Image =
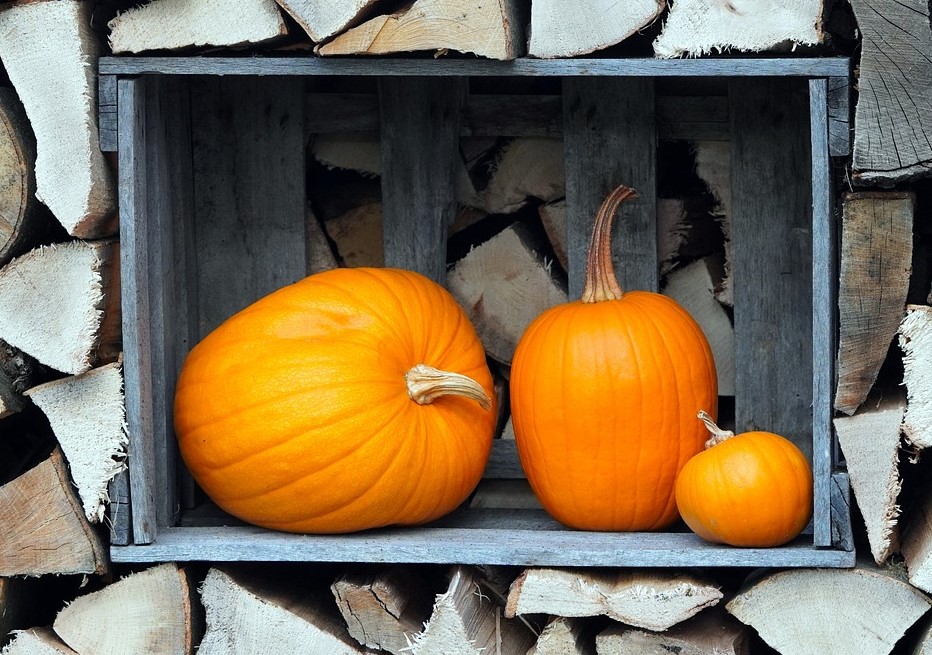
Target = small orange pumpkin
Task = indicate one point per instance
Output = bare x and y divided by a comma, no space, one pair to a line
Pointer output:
353,399
753,489
604,393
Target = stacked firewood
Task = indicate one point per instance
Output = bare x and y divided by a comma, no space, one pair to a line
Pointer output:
61,407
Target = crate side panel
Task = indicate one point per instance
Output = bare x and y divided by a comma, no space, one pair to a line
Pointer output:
249,191
420,126
610,138
772,268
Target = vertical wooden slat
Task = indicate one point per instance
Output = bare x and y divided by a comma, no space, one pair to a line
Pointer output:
107,112
772,265
610,138
824,279
420,126
136,275
249,191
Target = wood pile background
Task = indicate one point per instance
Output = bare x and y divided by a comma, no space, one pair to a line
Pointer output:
61,408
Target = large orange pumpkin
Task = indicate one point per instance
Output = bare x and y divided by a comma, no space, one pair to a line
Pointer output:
353,399
753,489
604,394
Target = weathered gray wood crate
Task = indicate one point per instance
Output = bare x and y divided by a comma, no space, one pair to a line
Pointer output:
212,214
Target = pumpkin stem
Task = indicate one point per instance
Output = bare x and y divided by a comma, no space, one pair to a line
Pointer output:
426,384
601,283
718,435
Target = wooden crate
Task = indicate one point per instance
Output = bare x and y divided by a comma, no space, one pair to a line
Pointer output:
193,252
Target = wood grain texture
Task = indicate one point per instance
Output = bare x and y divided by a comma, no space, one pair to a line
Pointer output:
609,139
876,262
509,541
840,498
46,530
107,112
892,121
772,268
563,29
728,67
420,120
839,110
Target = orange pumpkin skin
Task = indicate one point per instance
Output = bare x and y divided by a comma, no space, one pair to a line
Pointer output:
604,394
294,414
753,490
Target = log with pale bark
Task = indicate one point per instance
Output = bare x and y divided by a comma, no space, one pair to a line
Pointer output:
876,261
16,374
693,287
175,24
321,19
86,413
383,610
531,167
493,29
565,636
699,27
863,610
465,620
152,611
708,633
50,55
22,219
37,641
892,121
870,441
566,29
251,614
553,218
916,539
915,339
504,284
45,530
64,304
644,599
713,166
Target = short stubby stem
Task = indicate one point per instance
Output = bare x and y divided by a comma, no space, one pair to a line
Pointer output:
718,435
426,384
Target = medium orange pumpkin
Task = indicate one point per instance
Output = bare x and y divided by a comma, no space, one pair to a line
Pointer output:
753,489
342,402
604,393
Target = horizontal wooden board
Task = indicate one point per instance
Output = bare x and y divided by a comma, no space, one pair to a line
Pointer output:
494,537
377,66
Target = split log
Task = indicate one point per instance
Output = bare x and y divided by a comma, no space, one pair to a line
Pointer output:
319,253
22,220
699,27
383,610
917,541
465,621
358,235
892,120
248,615
492,29
651,600
708,633
16,373
37,641
175,24
553,218
65,311
354,152
924,641
529,167
694,289
916,343
713,166
321,19
870,441
503,285
876,261
813,611
87,415
44,526
146,612
565,636
50,54
564,29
